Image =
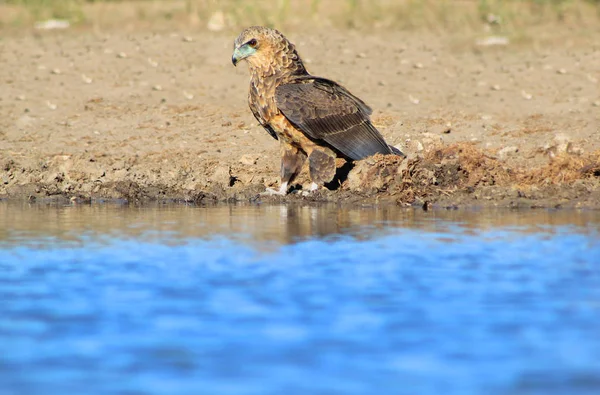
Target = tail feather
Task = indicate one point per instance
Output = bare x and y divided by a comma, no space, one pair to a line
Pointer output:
396,151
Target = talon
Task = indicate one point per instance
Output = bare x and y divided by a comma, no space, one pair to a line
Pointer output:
282,191
272,192
313,188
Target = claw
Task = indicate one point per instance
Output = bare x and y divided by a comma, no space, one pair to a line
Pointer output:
313,188
282,191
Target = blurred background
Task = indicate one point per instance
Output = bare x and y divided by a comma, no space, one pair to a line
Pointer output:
456,16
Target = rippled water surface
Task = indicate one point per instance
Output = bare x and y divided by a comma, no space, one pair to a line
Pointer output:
107,299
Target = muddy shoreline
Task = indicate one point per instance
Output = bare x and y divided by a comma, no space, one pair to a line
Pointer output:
143,116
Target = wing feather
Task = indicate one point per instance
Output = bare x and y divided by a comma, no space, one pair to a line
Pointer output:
324,110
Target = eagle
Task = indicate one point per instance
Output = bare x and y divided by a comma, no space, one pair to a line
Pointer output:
313,118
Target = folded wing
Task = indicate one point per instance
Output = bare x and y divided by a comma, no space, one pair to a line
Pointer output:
324,110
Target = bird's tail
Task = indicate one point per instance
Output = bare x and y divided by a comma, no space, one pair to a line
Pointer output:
396,151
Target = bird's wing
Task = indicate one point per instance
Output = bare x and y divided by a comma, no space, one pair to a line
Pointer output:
324,110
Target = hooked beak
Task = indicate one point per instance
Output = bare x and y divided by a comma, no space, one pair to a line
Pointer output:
236,57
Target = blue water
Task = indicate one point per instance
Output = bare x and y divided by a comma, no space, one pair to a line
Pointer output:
462,310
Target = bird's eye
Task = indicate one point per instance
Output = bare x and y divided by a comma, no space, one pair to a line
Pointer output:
252,43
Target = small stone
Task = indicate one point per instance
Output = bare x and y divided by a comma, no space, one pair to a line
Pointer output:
440,129
596,103
86,79
51,105
413,100
430,140
56,71
561,71
496,87
361,55
248,159
152,62
121,55
492,41
187,39
562,142
21,97
157,88
418,65
222,176
526,96
507,151
188,95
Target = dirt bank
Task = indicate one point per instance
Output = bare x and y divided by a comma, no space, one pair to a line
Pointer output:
142,116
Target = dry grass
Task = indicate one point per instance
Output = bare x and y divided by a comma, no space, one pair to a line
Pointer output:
563,169
462,167
494,16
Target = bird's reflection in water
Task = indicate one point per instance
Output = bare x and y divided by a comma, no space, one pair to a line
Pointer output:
281,224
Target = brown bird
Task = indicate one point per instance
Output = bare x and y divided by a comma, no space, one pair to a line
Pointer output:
312,117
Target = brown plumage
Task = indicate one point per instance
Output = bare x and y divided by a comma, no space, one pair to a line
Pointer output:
312,117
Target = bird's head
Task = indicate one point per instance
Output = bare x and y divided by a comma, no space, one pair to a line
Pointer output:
254,41
264,47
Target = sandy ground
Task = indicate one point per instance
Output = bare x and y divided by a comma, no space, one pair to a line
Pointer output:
141,116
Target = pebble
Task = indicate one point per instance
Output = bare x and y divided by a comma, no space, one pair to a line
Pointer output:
51,105
496,87
441,129
121,55
152,62
526,96
507,151
188,95
492,41
21,97
187,39
413,100
596,103
222,176
561,71
430,140
56,71
157,88
418,65
248,159
562,142
86,79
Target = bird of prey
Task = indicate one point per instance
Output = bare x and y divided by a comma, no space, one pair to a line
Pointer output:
312,117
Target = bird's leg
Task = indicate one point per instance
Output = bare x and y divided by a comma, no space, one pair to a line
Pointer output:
292,160
322,167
